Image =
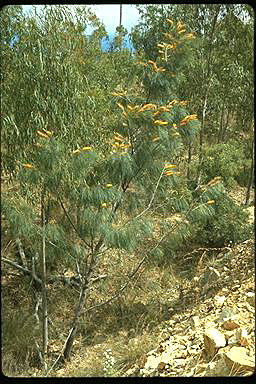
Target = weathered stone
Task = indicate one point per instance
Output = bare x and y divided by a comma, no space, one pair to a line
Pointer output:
217,368
213,340
242,337
237,358
232,340
161,366
195,321
152,362
229,325
228,313
250,298
219,300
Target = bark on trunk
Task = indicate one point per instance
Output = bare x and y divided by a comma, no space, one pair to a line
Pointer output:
221,123
189,159
250,177
44,289
72,334
207,87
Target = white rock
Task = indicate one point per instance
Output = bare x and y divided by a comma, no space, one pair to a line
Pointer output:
195,321
213,340
219,300
237,358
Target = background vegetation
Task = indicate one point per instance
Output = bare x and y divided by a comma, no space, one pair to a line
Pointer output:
113,163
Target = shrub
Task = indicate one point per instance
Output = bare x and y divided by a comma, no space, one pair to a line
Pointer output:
226,160
228,224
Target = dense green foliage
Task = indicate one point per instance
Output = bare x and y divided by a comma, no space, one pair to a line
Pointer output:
229,224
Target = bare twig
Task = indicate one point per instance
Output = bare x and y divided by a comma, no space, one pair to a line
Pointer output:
22,253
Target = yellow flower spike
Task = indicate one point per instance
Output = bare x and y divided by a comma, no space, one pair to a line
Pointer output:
160,122
117,138
49,133
173,102
182,31
141,63
156,139
109,185
124,145
86,148
217,178
156,113
104,205
211,202
118,134
28,166
76,151
161,45
177,173
164,109
115,94
169,173
183,103
180,25
43,135
120,106
129,107
151,62
170,21
167,166
190,36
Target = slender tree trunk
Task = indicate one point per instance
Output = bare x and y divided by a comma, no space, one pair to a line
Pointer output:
72,334
225,126
44,287
250,177
120,25
207,78
221,122
121,14
189,159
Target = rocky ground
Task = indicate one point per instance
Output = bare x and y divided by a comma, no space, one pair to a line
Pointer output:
212,330
214,335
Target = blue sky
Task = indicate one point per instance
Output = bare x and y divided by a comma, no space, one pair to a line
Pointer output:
109,15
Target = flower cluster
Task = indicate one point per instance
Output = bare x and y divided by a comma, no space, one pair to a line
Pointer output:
108,363
170,170
121,142
188,118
